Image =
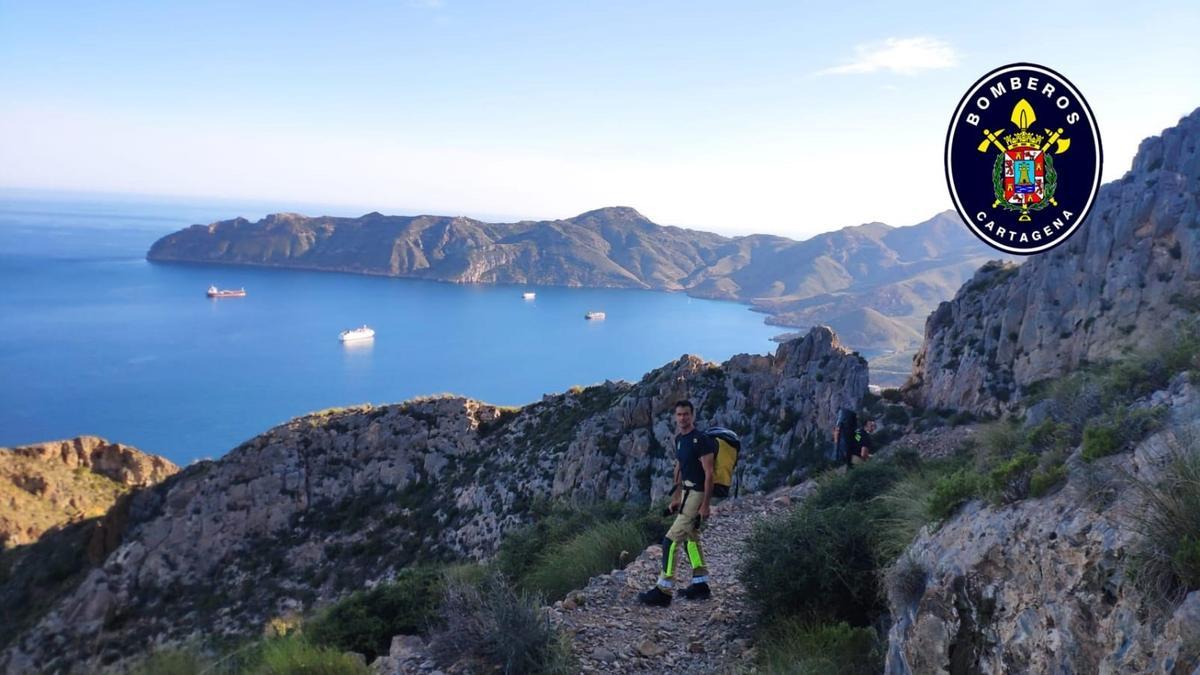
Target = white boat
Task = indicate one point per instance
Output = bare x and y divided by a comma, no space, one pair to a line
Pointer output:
354,334
528,295
594,316
214,292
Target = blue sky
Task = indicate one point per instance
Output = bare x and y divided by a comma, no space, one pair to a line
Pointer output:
733,117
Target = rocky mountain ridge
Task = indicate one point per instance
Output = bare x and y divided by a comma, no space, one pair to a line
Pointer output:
1130,270
49,485
873,283
326,503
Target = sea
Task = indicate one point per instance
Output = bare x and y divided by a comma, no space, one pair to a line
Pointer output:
94,339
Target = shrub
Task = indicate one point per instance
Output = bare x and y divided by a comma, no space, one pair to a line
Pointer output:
553,524
501,628
366,621
860,484
1166,559
296,656
905,581
1010,480
815,562
797,646
952,490
171,662
1119,429
891,395
1044,480
597,550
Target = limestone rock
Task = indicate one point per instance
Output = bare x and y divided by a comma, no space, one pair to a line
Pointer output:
1131,269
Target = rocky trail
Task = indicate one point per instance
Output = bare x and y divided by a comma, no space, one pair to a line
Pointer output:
611,632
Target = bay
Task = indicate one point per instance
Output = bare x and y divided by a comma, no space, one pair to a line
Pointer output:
96,340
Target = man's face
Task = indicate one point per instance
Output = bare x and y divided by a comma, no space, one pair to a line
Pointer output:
683,418
870,427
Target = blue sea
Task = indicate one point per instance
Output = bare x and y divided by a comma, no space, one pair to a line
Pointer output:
96,340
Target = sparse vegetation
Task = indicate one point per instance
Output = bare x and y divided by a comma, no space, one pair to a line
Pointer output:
365,621
500,628
797,646
1166,559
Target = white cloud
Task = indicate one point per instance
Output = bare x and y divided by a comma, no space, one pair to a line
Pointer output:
905,56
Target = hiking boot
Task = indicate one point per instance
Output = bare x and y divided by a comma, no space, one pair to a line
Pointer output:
655,597
698,591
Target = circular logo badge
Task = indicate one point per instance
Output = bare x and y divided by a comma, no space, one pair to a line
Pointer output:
1023,158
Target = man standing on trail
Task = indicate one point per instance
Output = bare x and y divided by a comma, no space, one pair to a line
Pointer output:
694,455
843,436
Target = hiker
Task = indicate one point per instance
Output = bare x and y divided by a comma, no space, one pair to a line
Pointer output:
694,461
863,443
843,435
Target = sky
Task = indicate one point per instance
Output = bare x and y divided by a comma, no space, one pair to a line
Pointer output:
781,117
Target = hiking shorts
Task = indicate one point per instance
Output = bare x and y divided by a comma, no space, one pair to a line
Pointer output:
687,522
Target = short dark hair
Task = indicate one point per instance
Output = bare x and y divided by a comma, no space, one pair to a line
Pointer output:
684,403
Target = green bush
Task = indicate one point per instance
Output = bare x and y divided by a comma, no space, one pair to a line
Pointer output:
1118,430
552,525
296,656
952,490
1044,480
597,550
797,646
366,621
499,628
171,662
1166,558
1010,480
860,484
815,562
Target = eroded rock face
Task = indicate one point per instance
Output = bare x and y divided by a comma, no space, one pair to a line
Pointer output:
1042,586
333,501
48,485
1132,269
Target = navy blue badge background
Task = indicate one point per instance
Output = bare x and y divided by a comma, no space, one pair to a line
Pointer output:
973,169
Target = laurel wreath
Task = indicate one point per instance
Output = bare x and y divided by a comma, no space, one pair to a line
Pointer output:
1050,184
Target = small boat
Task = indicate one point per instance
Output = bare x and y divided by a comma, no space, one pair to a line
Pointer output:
354,334
214,292
529,295
596,316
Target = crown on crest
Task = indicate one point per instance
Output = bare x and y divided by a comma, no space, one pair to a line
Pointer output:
1023,117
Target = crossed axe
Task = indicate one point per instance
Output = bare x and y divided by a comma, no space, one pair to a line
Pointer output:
1052,138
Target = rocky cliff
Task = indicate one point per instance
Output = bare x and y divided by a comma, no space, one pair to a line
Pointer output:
333,501
1130,271
874,284
49,485
1044,585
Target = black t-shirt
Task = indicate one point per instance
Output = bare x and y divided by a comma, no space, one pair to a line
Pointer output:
862,439
689,448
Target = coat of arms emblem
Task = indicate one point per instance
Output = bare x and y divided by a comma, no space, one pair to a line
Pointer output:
1023,176
1023,158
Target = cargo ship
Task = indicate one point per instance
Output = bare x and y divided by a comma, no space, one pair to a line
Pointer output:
214,292
529,295
355,334
594,316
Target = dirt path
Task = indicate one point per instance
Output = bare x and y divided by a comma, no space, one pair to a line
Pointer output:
612,632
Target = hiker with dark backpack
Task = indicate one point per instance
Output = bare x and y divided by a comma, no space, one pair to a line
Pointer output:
862,441
843,436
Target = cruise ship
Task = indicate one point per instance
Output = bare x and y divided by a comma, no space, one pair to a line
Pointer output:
214,292
529,295
354,334
594,316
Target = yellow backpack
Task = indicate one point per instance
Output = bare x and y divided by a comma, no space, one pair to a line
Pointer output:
728,447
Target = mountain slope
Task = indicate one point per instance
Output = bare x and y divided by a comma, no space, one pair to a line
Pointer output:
333,501
1132,270
49,485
